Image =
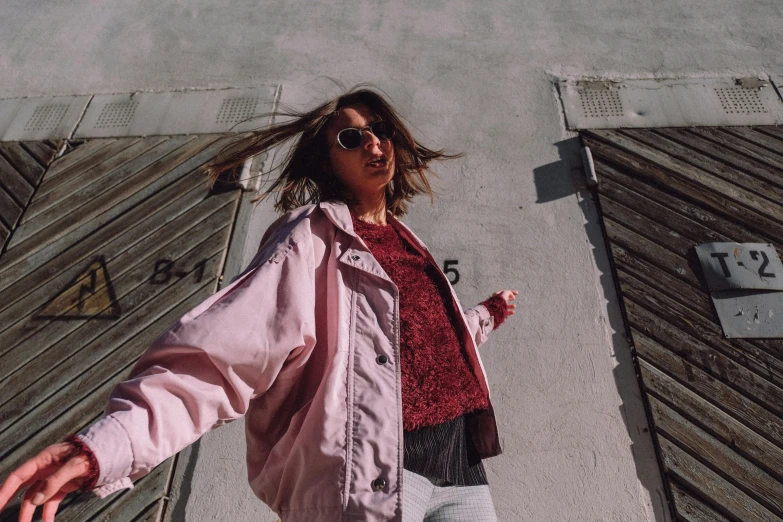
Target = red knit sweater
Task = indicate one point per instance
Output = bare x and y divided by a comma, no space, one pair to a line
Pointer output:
437,382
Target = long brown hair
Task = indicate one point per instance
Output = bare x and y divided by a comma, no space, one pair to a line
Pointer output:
306,175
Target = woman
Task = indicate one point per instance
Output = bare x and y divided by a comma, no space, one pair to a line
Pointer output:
342,344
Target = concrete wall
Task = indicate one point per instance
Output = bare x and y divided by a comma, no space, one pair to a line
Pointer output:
474,77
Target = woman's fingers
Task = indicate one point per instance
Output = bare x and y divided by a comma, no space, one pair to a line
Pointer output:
49,477
508,295
27,509
50,508
64,480
32,470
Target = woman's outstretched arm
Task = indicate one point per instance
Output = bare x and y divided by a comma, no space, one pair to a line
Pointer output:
201,373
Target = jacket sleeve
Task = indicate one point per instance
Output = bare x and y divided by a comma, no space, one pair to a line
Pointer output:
485,317
204,370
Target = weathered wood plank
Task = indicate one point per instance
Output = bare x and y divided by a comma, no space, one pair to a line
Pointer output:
774,132
762,487
660,234
40,375
32,253
688,321
76,185
689,187
99,161
700,354
650,251
136,243
60,420
14,183
22,161
672,287
683,225
154,513
41,151
730,431
95,198
690,509
739,152
748,412
712,486
4,233
767,138
743,189
686,206
77,158
9,209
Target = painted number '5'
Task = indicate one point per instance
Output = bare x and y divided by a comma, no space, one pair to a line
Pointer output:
447,269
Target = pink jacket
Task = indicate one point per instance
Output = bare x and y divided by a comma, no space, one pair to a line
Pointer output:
292,344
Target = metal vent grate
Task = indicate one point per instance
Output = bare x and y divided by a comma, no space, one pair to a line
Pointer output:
739,100
235,110
116,115
46,117
601,103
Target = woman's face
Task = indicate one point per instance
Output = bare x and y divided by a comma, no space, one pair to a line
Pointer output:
367,170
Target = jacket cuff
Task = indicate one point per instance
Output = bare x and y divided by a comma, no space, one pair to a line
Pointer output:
109,443
80,448
496,306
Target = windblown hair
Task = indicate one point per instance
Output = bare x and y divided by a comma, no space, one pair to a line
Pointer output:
306,175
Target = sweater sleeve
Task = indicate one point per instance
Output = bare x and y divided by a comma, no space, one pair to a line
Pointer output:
496,306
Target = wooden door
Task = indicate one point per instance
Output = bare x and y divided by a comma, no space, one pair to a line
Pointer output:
121,238
716,404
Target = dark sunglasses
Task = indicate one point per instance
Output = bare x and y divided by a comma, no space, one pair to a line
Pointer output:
351,138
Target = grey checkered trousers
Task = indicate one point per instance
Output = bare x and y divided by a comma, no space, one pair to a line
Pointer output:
425,501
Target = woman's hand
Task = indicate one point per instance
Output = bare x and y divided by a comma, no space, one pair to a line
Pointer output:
48,477
508,296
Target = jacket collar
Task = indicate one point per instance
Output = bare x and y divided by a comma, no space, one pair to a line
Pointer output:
338,213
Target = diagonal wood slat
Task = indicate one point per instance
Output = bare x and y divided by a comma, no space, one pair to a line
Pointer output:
21,168
72,185
690,509
716,404
77,160
727,463
687,188
42,151
22,161
708,483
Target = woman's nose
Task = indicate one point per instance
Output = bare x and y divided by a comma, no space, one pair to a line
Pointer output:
372,141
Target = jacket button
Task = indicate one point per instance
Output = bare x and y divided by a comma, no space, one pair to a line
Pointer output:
355,257
381,359
378,484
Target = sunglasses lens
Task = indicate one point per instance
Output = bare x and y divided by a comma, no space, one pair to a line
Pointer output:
382,130
350,138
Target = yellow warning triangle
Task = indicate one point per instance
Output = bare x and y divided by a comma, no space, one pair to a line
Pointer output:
89,296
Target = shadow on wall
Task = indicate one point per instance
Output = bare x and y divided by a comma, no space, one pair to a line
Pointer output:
564,178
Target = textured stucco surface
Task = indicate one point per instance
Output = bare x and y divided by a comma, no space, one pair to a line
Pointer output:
474,77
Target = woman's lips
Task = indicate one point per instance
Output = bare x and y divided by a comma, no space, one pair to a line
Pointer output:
377,162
